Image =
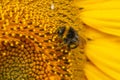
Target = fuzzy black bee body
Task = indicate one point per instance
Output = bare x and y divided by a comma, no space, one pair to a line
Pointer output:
69,37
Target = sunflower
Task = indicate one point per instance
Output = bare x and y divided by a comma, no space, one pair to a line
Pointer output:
59,40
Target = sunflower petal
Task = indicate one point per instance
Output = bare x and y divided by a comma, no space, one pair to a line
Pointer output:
99,4
104,53
102,16
107,21
94,34
93,73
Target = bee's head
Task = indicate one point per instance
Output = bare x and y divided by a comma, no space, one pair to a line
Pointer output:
61,31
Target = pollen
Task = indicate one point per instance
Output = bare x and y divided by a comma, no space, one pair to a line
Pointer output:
29,45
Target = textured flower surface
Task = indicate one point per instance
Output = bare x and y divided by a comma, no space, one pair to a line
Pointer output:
30,47
102,21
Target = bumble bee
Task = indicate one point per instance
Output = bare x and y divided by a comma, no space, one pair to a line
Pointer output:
69,36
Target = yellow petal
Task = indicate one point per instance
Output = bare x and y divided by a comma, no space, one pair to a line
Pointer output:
93,34
101,15
93,73
104,53
97,4
100,21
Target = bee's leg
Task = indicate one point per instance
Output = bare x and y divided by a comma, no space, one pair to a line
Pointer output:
73,45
